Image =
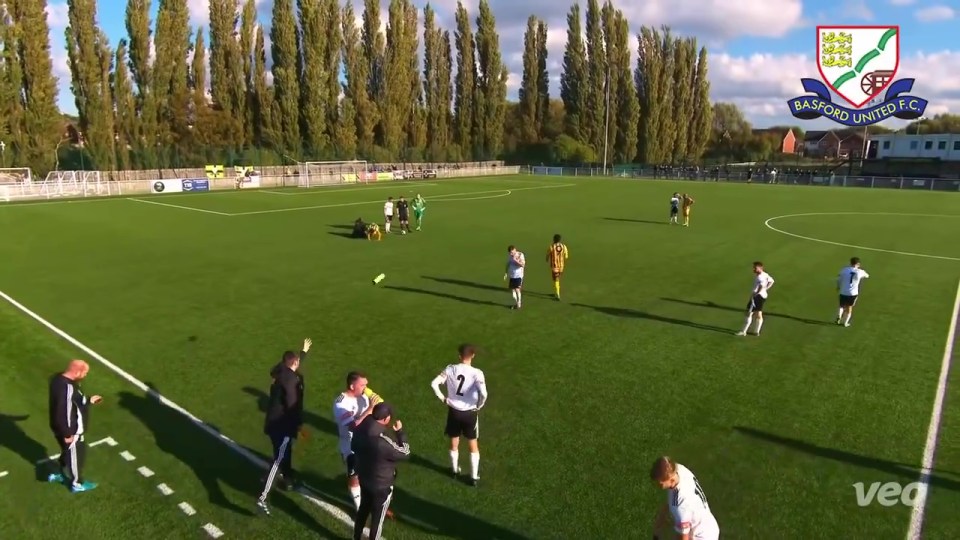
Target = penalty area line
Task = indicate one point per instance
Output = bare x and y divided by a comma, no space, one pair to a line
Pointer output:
232,445
930,448
179,207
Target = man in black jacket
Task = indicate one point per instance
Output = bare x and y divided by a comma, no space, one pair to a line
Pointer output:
69,418
377,455
284,419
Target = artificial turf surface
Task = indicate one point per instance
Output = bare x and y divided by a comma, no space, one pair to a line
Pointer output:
637,360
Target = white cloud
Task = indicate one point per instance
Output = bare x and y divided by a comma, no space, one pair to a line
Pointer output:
199,12
857,9
935,14
57,18
902,2
762,83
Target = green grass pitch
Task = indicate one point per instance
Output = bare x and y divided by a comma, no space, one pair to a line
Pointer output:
198,294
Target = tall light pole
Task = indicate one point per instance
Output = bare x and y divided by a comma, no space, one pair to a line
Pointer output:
606,124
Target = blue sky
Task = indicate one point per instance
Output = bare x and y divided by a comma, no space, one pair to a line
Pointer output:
759,48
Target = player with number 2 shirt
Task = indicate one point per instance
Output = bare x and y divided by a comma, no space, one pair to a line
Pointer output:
466,395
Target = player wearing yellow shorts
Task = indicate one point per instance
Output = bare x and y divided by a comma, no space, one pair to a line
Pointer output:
686,203
557,255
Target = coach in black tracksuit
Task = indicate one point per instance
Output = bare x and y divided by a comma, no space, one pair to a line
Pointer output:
69,418
284,419
377,455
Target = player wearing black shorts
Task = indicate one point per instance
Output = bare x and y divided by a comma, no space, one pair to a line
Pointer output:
516,262
403,211
674,208
758,297
466,394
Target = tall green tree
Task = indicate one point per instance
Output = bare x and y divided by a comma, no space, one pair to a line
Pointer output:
358,112
530,89
198,91
573,80
436,85
227,85
333,64
625,108
11,83
653,80
682,96
373,54
264,122
248,31
125,107
314,100
138,31
543,79
171,71
285,50
401,77
491,84
90,61
465,87
700,127
593,119
36,132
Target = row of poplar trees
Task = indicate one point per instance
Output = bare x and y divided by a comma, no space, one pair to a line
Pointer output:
169,95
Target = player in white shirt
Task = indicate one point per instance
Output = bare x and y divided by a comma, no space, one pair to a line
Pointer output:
466,395
762,283
388,214
674,208
848,285
350,408
686,506
514,272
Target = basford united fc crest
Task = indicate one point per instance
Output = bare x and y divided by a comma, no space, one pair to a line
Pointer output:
859,64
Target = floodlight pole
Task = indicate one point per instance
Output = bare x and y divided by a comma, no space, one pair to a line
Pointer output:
606,125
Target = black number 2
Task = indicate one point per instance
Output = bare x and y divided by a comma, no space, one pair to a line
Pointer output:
460,378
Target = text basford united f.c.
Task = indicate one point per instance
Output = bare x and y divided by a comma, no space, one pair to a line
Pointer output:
858,63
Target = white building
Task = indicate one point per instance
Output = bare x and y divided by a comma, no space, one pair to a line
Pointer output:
944,146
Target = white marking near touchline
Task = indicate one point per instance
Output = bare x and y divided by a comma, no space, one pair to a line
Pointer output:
127,456
213,530
3,473
145,472
168,205
437,198
334,511
106,440
930,448
48,458
186,508
164,489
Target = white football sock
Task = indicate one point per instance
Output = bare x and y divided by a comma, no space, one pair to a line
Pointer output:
455,460
759,324
355,493
519,297
387,226
516,296
839,313
846,319
474,465
747,325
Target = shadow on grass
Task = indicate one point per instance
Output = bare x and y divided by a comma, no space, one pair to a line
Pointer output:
209,459
887,467
418,513
628,220
344,231
626,312
483,286
13,437
320,424
448,296
712,305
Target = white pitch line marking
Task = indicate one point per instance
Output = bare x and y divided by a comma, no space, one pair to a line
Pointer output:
186,508
3,473
127,456
930,448
334,511
313,190
437,198
214,212
924,255
213,530
164,489
106,440
48,458
145,472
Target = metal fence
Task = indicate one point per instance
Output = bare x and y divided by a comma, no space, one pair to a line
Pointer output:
802,179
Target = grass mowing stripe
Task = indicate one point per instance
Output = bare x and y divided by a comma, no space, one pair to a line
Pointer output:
929,450
230,443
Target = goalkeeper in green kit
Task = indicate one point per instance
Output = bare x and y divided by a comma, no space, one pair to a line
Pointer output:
419,205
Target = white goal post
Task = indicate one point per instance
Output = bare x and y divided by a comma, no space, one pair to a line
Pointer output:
327,173
15,183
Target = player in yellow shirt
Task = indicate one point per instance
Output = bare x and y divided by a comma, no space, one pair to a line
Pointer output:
686,202
557,255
